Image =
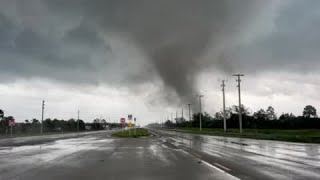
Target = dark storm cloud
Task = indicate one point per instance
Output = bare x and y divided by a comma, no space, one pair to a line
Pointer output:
127,43
84,35
293,45
173,34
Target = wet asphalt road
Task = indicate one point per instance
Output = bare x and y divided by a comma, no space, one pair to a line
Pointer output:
253,159
100,156
166,155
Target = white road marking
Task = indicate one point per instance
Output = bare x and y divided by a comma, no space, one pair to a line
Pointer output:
216,168
153,133
223,167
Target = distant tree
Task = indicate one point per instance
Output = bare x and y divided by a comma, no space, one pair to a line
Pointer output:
10,118
1,114
206,119
96,125
103,123
35,121
244,110
286,116
48,124
218,115
260,114
96,120
4,123
81,125
270,113
309,111
169,124
71,124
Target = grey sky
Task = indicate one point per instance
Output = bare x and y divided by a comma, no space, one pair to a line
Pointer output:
155,55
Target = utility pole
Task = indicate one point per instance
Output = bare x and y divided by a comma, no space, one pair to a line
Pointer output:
171,117
78,120
181,114
176,116
135,126
163,118
239,91
224,107
200,96
189,105
41,127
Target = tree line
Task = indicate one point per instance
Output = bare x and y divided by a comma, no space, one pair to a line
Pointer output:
52,125
261,119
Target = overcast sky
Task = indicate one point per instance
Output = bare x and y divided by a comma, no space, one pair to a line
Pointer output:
149,58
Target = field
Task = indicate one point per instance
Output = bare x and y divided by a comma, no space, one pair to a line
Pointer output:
295,135
140,132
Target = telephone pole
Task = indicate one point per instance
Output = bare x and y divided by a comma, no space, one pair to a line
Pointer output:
189,105
176,116
78,120
41,127
200,96
224,107
182,114
239,91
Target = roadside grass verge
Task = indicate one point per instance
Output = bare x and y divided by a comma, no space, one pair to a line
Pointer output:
140,132
291,135
29,134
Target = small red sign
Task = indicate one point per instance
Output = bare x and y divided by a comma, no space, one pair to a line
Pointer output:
123,120
12,123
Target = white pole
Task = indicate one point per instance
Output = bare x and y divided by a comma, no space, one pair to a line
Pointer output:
200,96
135,126
41,128
78,121
224,108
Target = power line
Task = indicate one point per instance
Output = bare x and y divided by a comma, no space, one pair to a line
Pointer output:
239,91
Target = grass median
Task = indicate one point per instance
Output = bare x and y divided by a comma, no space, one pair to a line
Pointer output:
291,135
131,133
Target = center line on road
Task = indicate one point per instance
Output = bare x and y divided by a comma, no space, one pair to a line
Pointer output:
223,167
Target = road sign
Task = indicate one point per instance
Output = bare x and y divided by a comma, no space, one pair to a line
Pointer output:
129,124
130,117
12,123
123,120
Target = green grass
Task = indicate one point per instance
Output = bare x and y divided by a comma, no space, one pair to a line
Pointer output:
292,135
27,134
130,133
